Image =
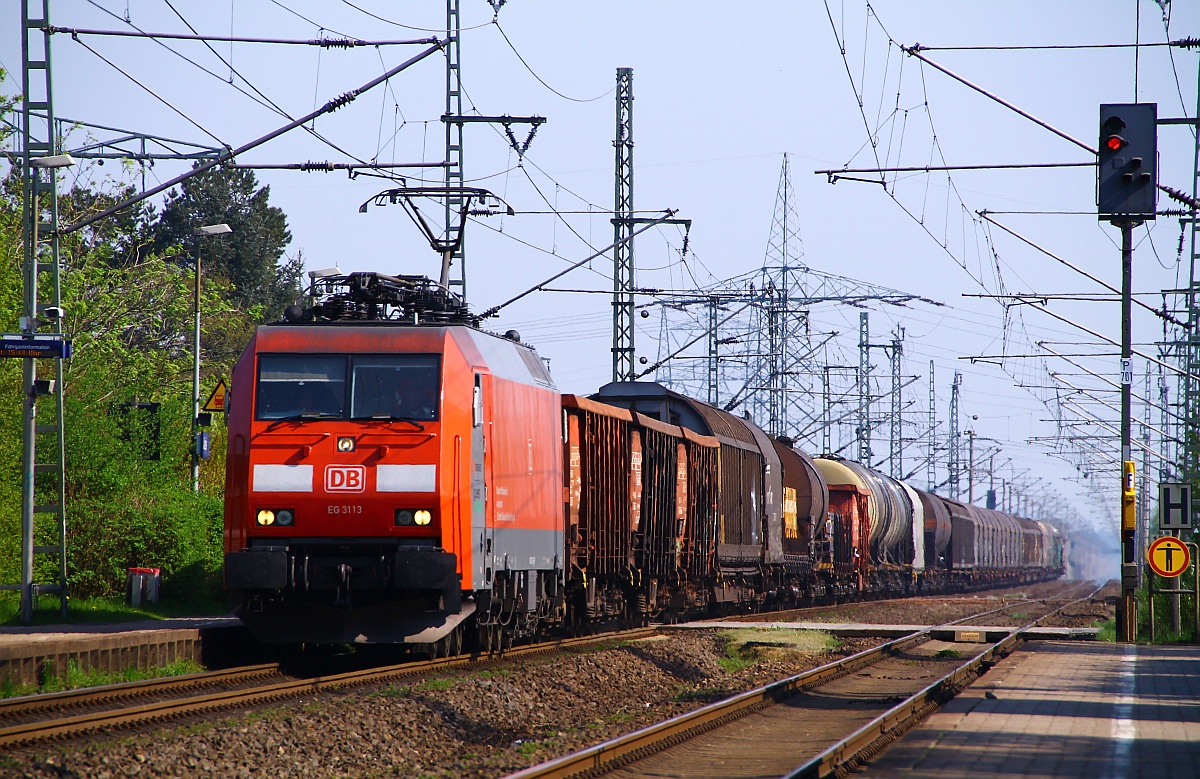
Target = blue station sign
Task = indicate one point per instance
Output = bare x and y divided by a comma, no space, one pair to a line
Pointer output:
21,345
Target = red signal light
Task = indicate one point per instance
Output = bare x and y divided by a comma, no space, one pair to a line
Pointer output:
1115,143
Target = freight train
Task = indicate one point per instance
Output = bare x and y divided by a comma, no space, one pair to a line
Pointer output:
397,474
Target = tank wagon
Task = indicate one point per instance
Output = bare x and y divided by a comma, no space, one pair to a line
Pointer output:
397,474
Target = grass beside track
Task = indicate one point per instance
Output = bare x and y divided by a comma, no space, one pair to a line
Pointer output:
746,646
98,611
73,677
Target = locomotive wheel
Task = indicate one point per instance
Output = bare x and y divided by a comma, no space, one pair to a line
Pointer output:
455,642
489,636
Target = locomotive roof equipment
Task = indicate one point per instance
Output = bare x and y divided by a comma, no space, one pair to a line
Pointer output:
377,297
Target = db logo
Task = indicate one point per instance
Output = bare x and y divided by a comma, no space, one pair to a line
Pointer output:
345,478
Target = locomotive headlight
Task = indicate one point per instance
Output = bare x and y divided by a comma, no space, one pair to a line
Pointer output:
422,517
345,443
275,517
404,517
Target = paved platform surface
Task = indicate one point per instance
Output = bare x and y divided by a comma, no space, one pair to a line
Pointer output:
10,635
1063,709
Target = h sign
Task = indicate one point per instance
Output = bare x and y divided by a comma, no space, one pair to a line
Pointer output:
1174,506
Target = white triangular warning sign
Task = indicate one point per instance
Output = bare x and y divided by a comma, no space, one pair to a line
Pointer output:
216,401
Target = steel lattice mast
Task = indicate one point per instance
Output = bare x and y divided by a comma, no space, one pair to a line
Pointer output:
766,360
455,258
953,459
42,314
623,277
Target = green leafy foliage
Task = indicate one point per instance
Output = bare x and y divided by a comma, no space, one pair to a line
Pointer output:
129,304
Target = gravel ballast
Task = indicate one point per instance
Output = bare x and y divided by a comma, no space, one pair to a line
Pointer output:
481,723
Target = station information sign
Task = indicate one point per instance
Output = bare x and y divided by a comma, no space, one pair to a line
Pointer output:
1168,556
46,345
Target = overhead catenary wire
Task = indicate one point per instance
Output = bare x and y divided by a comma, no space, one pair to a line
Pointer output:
229,154
1161,314
540,80
1014,323
394,23
1183,43
496,309
261,98
153,94
915,51
325,43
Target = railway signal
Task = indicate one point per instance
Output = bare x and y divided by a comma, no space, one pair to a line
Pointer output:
1126,165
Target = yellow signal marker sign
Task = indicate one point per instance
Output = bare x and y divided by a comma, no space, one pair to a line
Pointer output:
216,401
1168,556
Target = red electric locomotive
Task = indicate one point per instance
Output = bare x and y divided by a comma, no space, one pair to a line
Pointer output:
364,435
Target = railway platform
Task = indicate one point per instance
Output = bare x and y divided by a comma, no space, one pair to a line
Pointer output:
29,654
1062,709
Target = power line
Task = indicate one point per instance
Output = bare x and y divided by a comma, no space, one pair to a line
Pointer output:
325,43
229,154
540,80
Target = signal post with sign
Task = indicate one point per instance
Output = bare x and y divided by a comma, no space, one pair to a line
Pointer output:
1174,515
202,440
1126,196
1169,557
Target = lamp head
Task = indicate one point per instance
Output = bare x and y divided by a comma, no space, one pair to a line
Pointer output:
53,161
217,229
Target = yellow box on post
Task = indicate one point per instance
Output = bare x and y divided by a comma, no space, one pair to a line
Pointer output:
1128,497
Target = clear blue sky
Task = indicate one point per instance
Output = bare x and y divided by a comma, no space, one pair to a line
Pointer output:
721,92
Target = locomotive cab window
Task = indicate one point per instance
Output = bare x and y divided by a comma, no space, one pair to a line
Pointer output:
395,386
300,386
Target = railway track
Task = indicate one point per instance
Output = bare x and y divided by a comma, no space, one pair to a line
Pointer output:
874,695
39,718
34,719
965,599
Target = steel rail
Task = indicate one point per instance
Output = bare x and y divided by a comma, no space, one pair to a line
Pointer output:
27,705
868,740
161,711
788,614
625,749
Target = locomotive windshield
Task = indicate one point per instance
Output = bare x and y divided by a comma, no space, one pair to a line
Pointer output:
305,386
395,386
300,385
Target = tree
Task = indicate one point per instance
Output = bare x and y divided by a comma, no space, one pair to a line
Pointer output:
250,258
129,313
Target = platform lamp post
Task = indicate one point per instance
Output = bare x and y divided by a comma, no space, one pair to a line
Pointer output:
199,232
